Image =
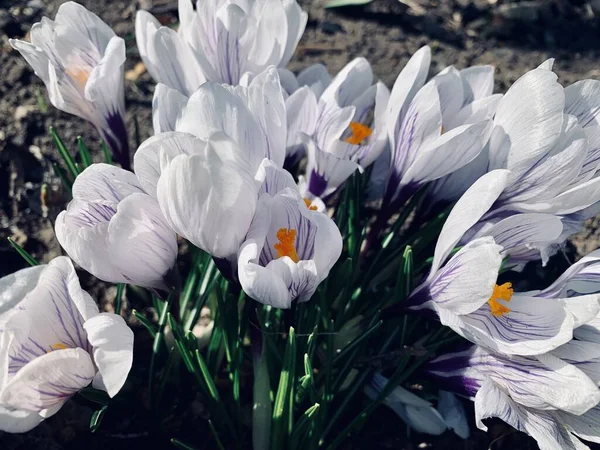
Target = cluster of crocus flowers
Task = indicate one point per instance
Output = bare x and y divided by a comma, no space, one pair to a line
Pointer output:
231,128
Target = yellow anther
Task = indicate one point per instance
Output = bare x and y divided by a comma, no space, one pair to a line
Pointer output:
501,292
287,244
78,75
309,205
360,132
57,346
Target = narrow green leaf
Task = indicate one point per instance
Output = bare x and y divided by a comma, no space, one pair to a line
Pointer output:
149,326
408,270
96,419
64,154
121,289
24,253
180,444
95,395
305,423
60,173
215,435
107,153
210,384
284,399
340,3
84,153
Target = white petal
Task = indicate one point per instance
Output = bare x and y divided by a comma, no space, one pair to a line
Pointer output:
349,84
454,414
478,82
296,19
215,108
35,57
302,114
208,200
490,401
450,90
477,111
411,79
147,159
14,287
167,106
104,86
18,420
467,212
288,81
316,77
49,380
231,26
265,100
273,178
301,279
75,16
466,282
533,326
586,426
105,182
528,121
112,341
451,151
139,232
328,244
582,99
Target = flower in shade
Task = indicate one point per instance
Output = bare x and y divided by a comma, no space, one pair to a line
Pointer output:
53,343
421,149
467,297
112,224
420,414
219,41
206,174
289,249
80,60
552,397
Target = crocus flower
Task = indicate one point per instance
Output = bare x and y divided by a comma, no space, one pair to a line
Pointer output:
421,150
464,291
53,343
289,249
550,397
112,224
204,174
80,60
328,117
417,413
219,41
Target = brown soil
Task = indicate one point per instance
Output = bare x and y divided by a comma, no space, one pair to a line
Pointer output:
460,32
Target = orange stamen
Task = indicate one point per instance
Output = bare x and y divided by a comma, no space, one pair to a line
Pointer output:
502,292
287,244
360,132
57,346
309,205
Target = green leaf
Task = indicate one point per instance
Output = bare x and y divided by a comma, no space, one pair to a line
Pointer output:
284,400
303,426
24,253
96,419
121,287
95,395
144,321
64,154
179,444
84,153
60,173
107,153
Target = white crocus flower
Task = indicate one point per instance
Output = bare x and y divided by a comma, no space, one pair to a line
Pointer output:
329,118
464,294
53,343
417,413
421,150
206,174
552,399
80,60
112,224
219,41
289,249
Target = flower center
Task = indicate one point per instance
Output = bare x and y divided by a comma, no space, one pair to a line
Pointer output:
360,132
309,205
78,75
287,244
502,292
57,346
